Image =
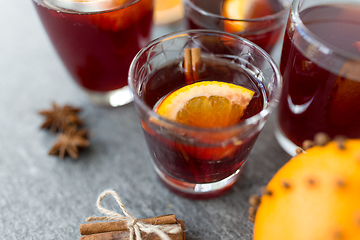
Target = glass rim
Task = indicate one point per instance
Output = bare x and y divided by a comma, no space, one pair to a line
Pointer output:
57,5
319,43
263,114
265,18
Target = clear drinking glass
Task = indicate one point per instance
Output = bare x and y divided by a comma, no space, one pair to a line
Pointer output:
97,41
263,31
320,65
199,162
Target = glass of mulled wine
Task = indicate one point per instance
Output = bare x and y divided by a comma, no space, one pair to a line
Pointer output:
320,64
202,158
260,21
97,40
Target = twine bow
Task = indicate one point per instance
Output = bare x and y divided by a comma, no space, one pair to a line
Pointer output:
135,226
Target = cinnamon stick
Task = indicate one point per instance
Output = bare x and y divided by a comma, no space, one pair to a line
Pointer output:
182,224
188,66
192,64
126,235
196,63
102,227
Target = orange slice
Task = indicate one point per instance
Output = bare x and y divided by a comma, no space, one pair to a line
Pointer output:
243,10
206,104
168,11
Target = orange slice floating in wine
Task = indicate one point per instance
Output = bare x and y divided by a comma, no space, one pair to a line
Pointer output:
207,104
168,11
243,10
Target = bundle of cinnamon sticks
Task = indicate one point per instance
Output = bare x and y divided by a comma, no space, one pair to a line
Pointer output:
120,230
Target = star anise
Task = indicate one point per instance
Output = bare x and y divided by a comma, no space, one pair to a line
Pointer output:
59,118
70,142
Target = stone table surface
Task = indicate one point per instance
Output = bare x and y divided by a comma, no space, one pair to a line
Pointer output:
43,197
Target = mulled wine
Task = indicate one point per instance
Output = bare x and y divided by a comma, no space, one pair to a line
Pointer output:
203,97
97,44
257,28
321,91
196,161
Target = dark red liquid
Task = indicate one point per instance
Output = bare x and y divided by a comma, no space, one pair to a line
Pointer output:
97,48
180,156
264,34
316,99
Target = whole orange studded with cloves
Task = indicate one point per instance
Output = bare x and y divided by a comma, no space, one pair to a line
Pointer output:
315,196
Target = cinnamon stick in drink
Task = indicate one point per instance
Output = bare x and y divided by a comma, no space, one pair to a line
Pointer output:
188,66
192,64
196,63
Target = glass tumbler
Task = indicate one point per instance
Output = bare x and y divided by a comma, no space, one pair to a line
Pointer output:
201,162
320,64
97,40
263,27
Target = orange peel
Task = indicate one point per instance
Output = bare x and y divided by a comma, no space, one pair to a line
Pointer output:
314,196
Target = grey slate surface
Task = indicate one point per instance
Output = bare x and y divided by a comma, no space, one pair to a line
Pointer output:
43,197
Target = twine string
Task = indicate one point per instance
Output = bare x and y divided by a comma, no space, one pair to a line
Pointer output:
134,225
